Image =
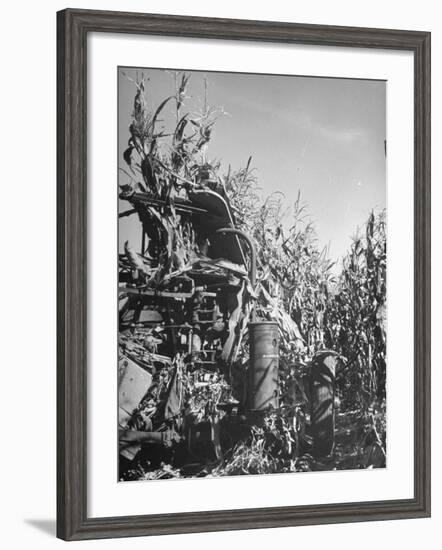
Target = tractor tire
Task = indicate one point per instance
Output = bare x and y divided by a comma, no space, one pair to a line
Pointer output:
322,398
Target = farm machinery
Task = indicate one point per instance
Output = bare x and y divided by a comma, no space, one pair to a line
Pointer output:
199,357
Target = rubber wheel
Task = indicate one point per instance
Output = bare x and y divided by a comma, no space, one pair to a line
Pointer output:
322,395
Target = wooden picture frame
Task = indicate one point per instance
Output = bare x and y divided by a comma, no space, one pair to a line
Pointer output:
73,27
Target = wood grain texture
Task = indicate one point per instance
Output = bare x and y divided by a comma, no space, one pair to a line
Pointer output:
72,29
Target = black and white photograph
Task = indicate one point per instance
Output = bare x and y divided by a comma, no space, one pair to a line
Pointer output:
252,268
228,235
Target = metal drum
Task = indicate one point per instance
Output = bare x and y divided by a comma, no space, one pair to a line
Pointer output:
263,391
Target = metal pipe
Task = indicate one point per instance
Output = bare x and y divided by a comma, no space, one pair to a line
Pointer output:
144,198
249,241
127,213
251,247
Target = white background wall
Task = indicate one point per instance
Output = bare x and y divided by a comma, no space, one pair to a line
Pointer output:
27,123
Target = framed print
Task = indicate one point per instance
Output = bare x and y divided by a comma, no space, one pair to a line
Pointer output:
243,274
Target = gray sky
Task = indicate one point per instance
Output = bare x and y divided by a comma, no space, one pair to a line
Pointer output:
322,136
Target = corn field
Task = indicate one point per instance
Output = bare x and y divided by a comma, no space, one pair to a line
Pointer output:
318,302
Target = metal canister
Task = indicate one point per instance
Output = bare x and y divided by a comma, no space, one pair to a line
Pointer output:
263,391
